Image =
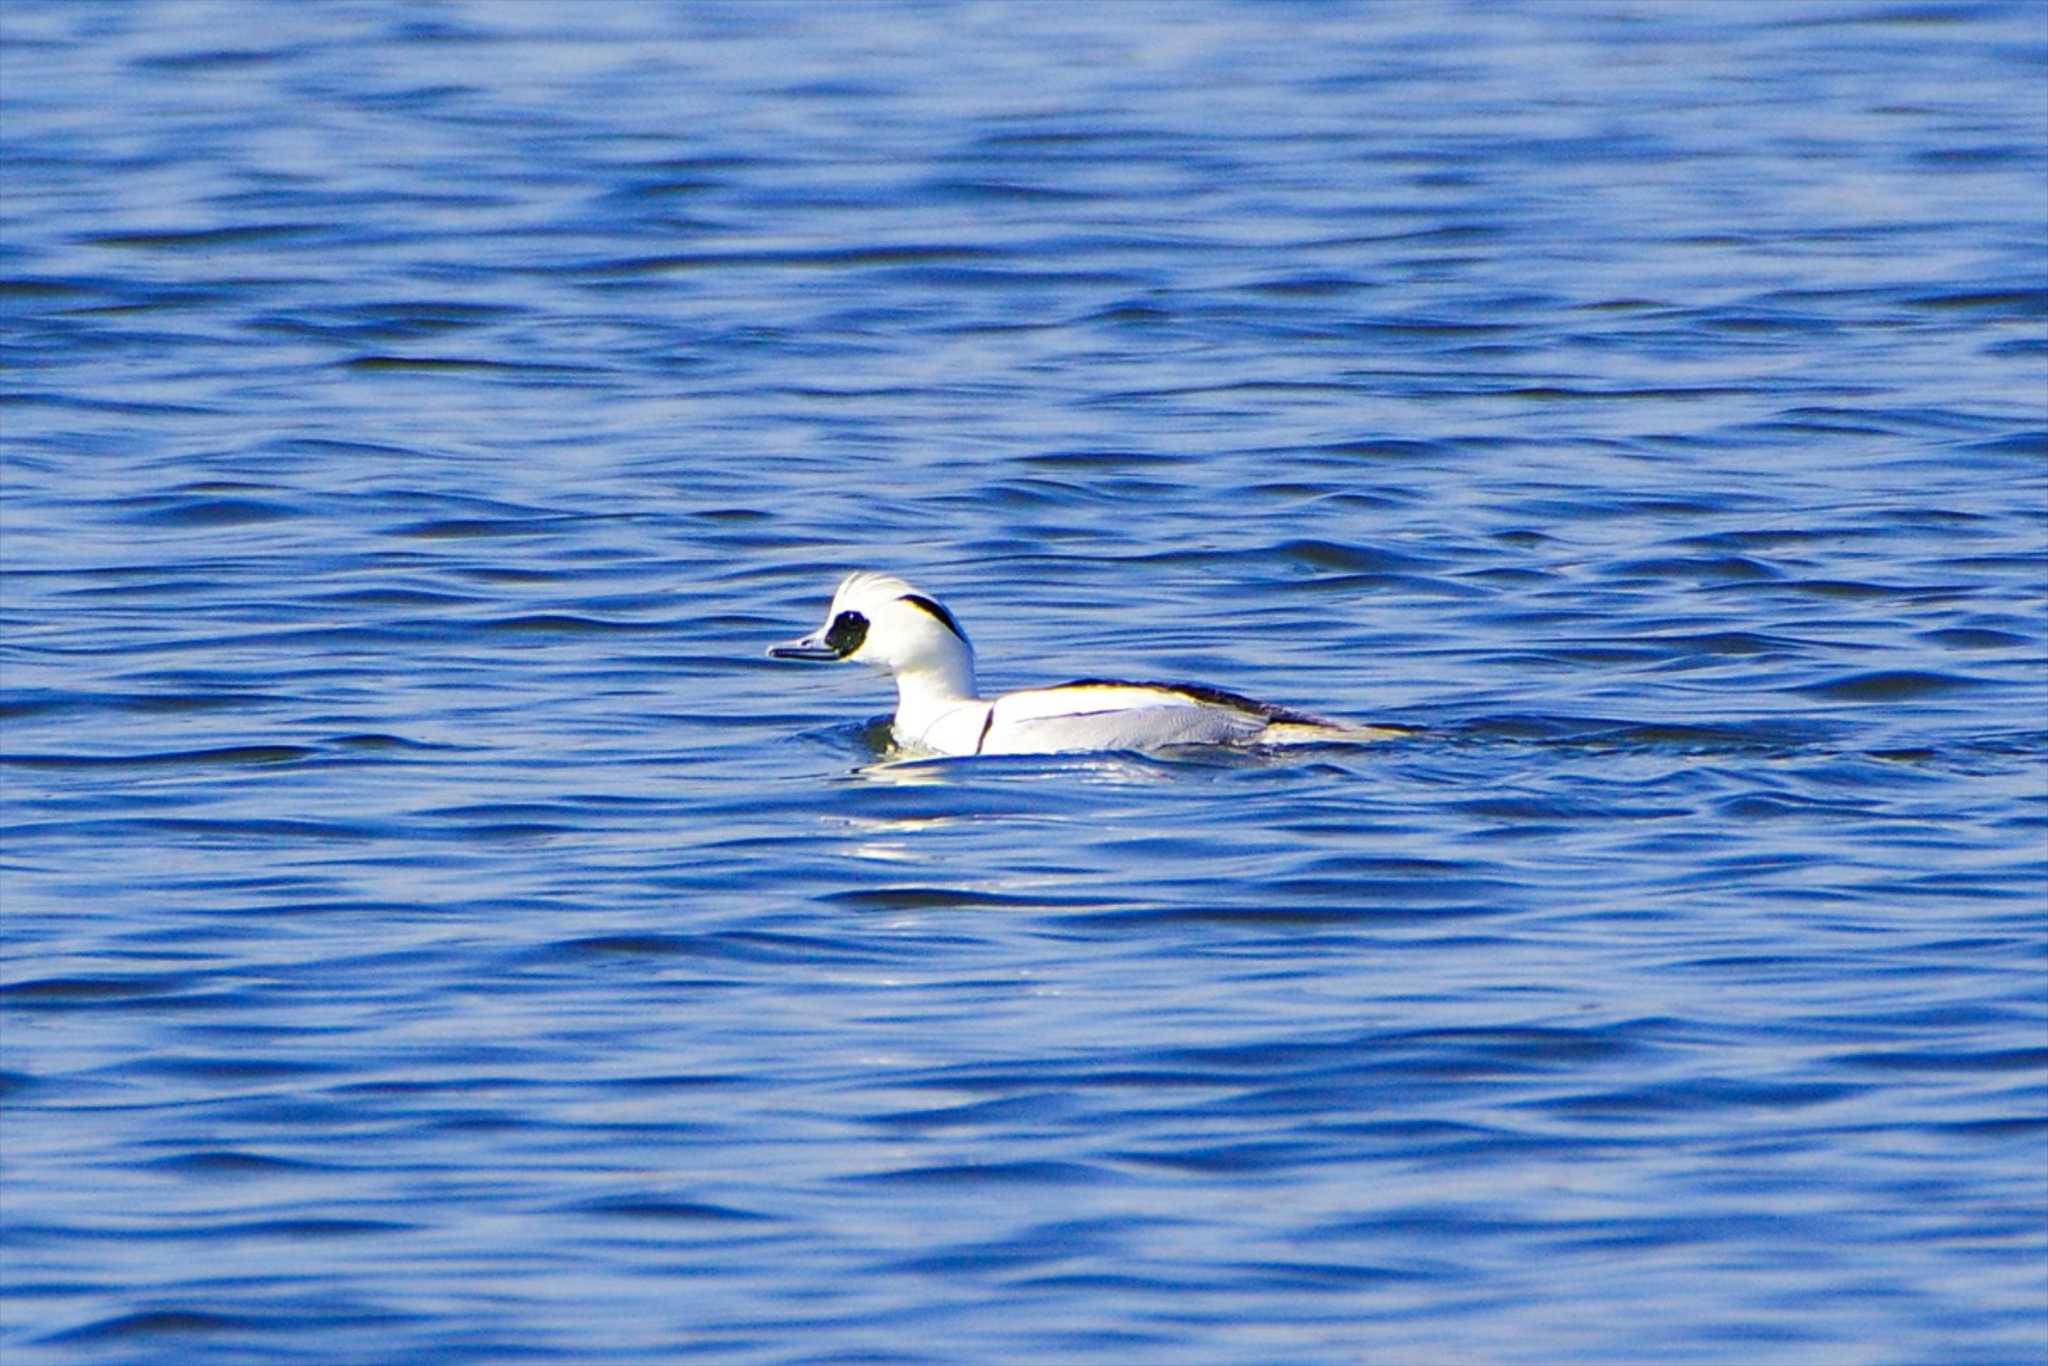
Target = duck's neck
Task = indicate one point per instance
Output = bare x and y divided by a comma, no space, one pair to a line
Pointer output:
925,694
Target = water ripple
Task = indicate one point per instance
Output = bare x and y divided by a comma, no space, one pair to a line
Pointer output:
436,931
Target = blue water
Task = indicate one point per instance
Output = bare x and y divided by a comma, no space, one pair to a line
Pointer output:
433,931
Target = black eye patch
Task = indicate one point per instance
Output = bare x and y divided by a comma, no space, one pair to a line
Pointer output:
849,629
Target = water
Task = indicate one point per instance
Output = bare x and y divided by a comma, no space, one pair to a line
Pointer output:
433,930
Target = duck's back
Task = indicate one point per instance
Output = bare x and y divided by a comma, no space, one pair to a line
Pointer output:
1104,713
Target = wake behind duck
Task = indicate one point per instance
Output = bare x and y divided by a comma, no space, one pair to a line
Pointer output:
883,622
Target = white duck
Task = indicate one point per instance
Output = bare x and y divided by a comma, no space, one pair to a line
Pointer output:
881,621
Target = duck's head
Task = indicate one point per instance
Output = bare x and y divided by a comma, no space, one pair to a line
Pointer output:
881,621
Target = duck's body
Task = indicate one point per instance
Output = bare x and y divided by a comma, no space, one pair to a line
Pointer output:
882,621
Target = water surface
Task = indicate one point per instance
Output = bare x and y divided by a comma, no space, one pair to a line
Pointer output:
434,931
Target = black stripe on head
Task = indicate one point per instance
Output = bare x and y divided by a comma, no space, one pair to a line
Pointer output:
936,609
849,631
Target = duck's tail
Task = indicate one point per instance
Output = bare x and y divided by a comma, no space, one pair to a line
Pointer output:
1321,732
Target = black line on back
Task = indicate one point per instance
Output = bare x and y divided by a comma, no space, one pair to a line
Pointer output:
986,722
1215,697
936,609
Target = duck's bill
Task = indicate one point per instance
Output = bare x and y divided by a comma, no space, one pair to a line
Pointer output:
810,648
